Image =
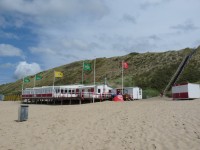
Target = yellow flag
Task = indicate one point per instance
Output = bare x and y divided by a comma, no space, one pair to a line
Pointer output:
58,74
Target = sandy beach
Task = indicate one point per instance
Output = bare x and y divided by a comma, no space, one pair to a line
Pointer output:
149,124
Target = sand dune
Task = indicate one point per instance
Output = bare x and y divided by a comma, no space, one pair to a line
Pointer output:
136,125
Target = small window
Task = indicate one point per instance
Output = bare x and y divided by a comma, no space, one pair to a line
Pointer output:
65,91
57,90
69,91
125,91
99,90
140,92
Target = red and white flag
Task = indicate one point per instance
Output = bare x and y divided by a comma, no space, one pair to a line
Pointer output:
125,65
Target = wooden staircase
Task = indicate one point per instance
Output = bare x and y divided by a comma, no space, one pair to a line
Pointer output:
178,72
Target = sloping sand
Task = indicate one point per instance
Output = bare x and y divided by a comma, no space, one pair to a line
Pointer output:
136,125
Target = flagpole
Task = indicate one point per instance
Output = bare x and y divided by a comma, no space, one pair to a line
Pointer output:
53,78
22,88
94,78
34,81
34,86
53,83
22,85
122,77
82,72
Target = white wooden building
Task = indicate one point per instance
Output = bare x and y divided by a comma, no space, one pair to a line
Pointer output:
67,92
186,91
1,97
97,91
134,92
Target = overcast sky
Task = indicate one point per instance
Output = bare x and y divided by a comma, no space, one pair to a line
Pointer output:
36,35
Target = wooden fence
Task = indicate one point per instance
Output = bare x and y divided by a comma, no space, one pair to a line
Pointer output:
12,98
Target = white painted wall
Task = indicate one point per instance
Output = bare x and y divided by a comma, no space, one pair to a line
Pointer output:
180,89
193,90
135,92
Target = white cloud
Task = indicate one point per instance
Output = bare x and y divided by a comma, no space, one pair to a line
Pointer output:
9,50
7,65
24,69
129,18
150,3
2,22
56,8
185,27
8,35
71,30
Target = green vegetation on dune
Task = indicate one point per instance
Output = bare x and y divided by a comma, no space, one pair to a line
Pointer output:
150,71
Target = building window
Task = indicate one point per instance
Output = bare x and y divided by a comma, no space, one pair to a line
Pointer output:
140,92
99,90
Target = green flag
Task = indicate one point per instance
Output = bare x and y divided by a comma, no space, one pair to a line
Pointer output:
87,67
26,80
38,77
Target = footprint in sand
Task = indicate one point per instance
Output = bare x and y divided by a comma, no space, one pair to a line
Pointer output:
153,146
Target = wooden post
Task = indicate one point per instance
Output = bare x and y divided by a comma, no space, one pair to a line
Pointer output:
80,101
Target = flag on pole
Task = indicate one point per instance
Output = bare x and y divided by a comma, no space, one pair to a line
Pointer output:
87,67
58,74
125,65
26,80
38,77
